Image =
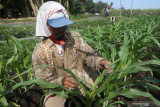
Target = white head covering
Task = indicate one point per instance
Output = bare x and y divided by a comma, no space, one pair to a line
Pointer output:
46,12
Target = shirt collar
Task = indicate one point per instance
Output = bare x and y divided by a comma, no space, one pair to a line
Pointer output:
56,42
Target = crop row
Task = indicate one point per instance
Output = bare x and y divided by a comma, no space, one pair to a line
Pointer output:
125,43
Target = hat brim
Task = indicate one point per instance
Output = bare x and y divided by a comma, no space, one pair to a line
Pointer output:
59,22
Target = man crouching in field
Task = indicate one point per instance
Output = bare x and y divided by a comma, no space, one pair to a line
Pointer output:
59,48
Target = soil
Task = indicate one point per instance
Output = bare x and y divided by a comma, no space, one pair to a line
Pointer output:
31,98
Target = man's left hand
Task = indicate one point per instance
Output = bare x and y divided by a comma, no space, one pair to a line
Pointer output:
104,64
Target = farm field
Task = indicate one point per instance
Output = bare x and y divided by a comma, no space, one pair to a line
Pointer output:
132,45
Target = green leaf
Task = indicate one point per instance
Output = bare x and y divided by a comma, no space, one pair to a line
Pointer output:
132,93
3,100
138,83
99,79
27,61
10,60
149,62
29,70
152,79
78,80
116,102
105,84
156,41
98,103
59,93
13,104
86,83
18,44
76,102
1,64
41,82
15,49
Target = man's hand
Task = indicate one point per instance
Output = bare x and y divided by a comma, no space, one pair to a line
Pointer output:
69,82
104,64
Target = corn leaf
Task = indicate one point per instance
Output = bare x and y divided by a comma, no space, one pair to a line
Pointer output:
132,93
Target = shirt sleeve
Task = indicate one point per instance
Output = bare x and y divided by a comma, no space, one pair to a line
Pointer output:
91,59
47,73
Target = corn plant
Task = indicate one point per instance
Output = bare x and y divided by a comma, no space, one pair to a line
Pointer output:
15,65
21,59
111,86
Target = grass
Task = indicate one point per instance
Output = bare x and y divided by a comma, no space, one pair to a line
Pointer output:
7,50
24,31
135,12
17,31
13,20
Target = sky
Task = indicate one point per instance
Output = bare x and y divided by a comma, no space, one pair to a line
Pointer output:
137,4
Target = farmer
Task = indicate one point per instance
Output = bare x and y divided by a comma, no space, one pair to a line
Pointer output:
59,48
107,12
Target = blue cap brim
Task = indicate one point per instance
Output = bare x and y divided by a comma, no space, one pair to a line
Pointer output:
59,22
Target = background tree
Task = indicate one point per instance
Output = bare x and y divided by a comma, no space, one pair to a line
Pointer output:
26,5
65,3
76,7
12,8
15,9
29,8
1,6
89,5
35,4
100,6
19,8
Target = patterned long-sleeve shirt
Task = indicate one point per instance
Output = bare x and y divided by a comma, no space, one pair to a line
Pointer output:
77,54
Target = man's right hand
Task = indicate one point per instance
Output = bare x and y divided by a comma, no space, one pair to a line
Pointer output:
69,82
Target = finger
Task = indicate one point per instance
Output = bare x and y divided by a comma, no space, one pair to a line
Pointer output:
110,71
70,88
107,64
69,80
66,86
67,83
73,81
